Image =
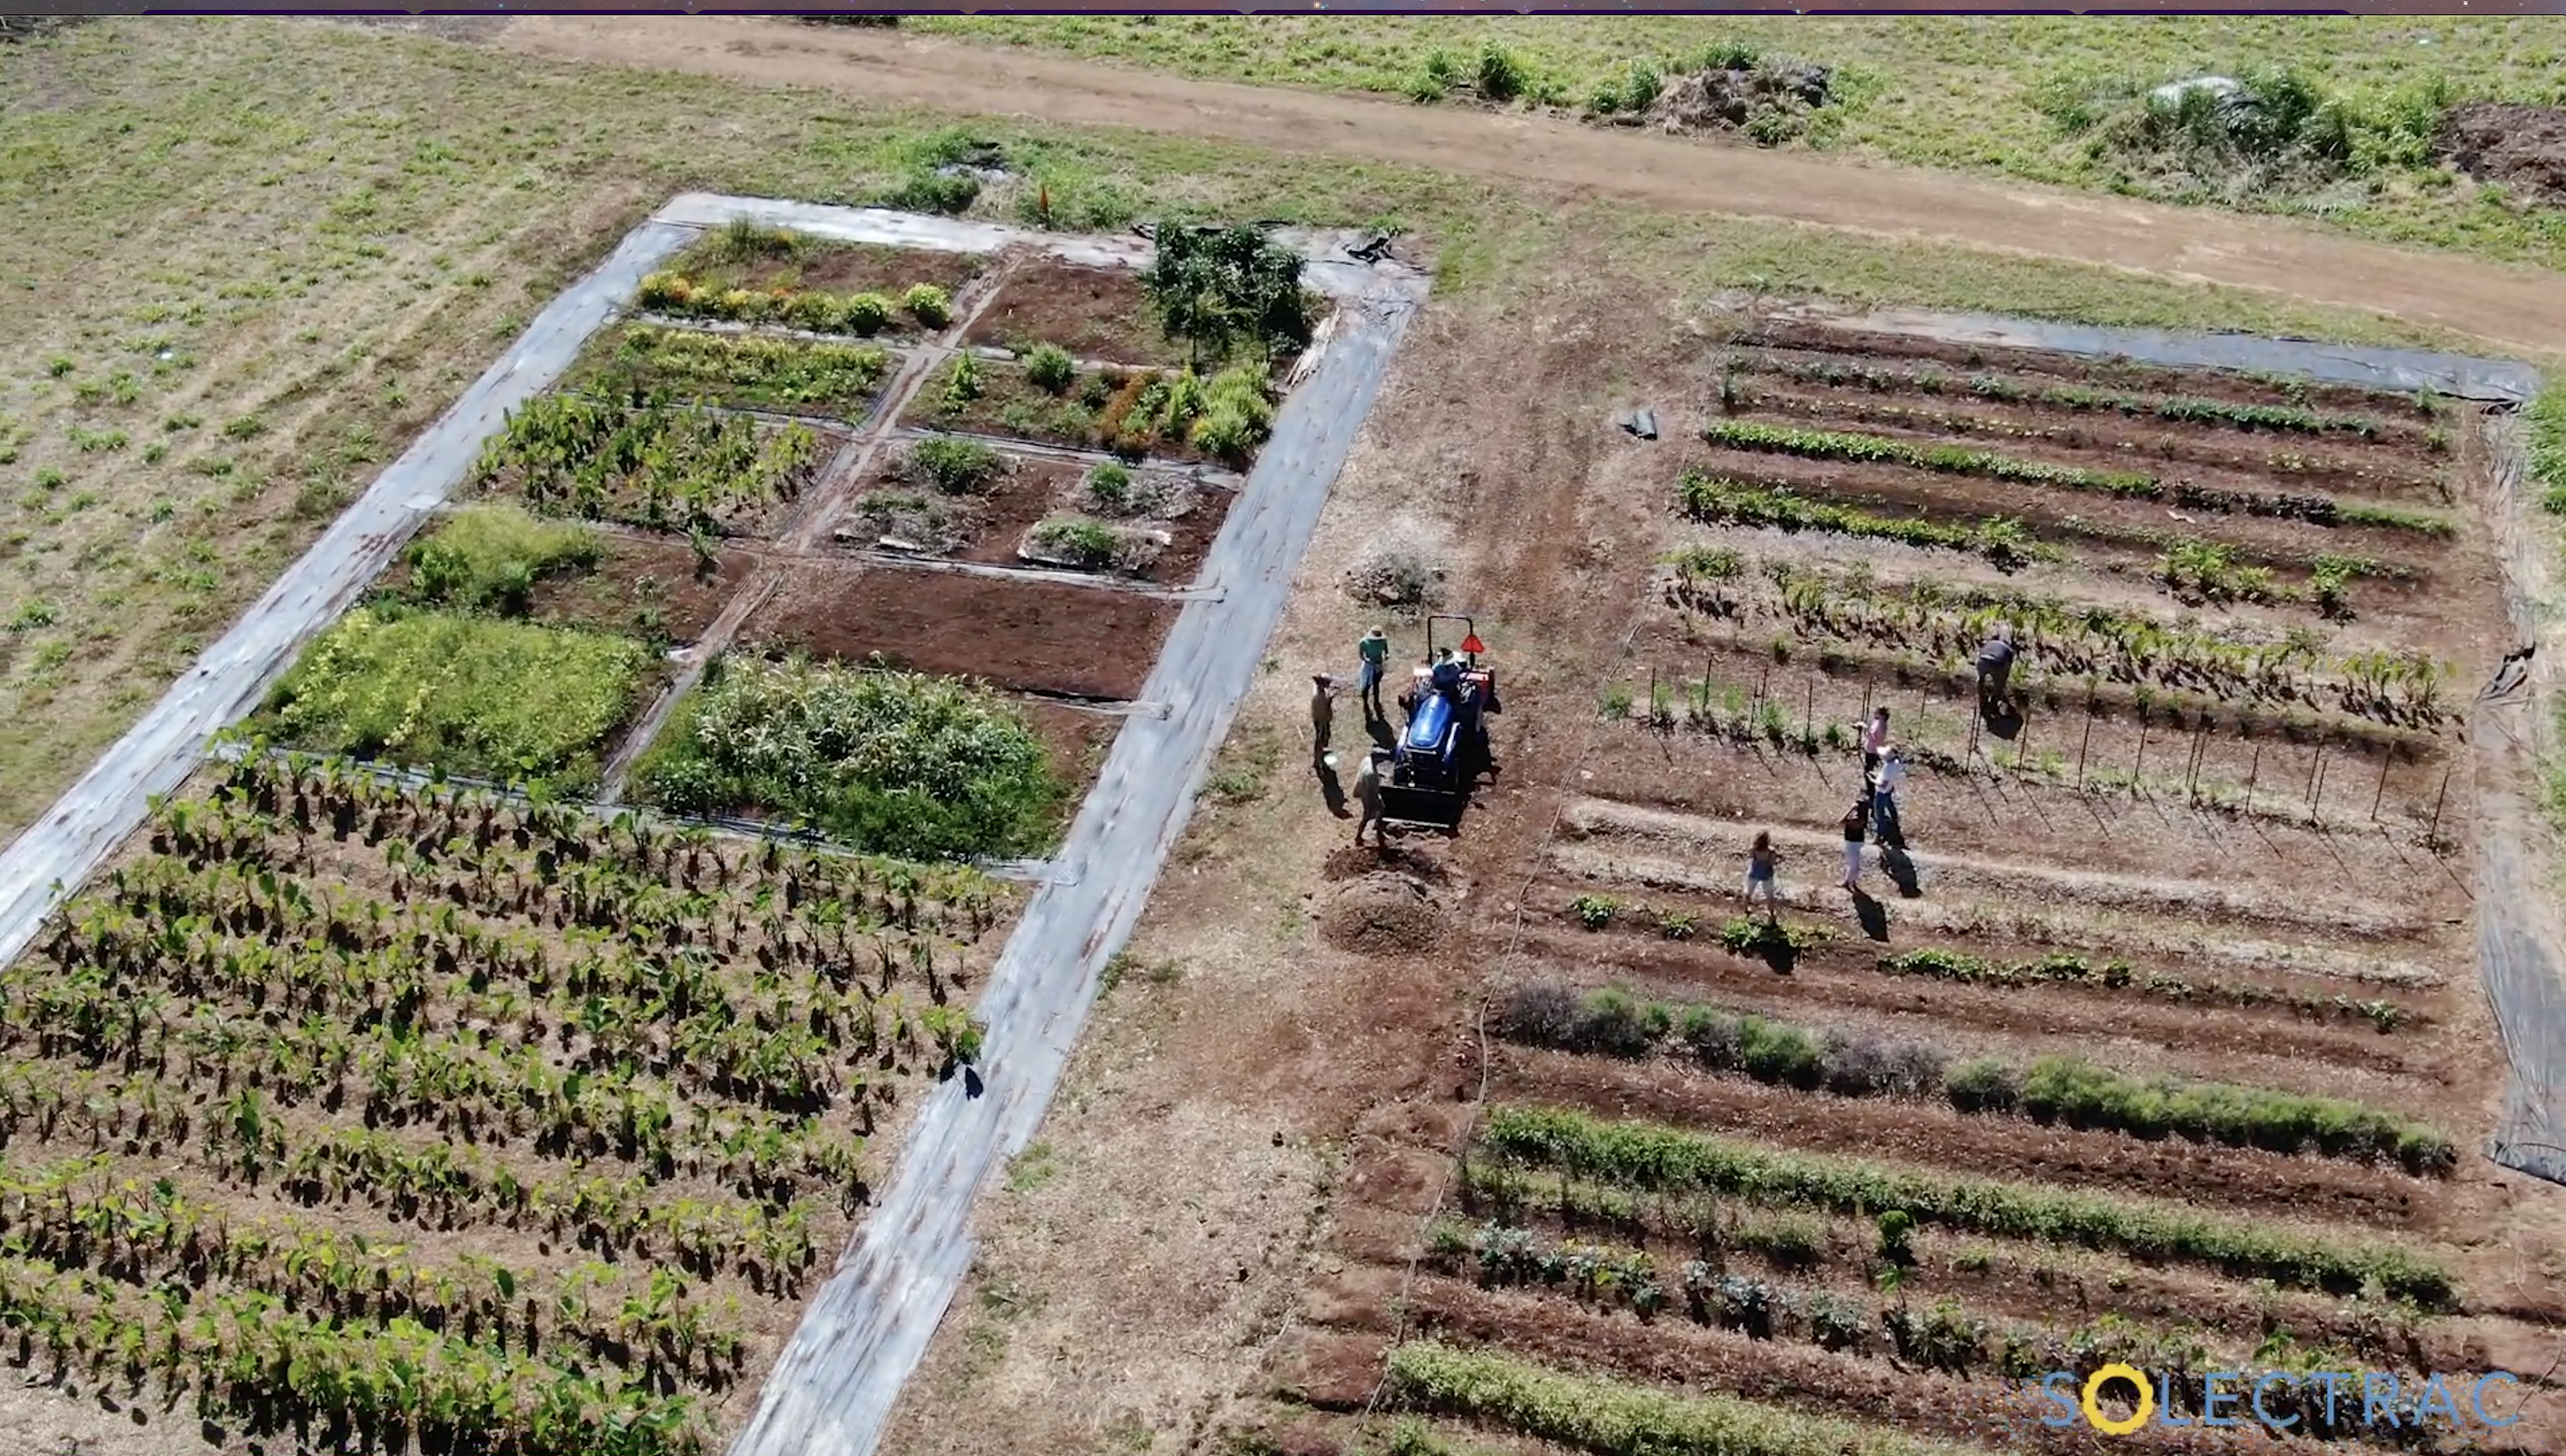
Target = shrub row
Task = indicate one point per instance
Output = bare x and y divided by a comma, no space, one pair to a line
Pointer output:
2176,408
2064,968
1645,1156
2066,1089
1610,1418
1721,501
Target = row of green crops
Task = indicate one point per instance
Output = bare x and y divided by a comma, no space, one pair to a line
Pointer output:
650,463
2065,1089
744,371
2172,409
1610,1418
891,761
474,695
1718,500
861,313
1742,435
1645,1156
487,556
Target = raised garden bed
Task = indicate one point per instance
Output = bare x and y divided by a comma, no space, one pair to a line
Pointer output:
660,466
781,376
1134,413
751,275
1067,640
648,587
967,502
1099,314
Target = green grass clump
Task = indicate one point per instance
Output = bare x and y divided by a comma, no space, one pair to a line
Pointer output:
895,763
1720,500
1645,1156
2544,446
955,468
488,557
476,695
1611,1418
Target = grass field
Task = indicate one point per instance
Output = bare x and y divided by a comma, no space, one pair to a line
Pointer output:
1938,93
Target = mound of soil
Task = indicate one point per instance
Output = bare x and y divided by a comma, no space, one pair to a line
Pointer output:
1381,913
2523,147
1769,101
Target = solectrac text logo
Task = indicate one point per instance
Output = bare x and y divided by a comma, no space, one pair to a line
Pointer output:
2118,1399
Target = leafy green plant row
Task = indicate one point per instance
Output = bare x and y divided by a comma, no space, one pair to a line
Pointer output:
651,463
2060,968
1130,413
2321,510
1649,1157
2066,1089
2175,409
1941,1335
861,313
1721,501
742,370
1610,1418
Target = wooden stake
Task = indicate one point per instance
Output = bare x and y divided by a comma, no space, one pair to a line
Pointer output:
2316,777
1809,715
2434,832
2080,747
2385,760
2252,774
1652,709
1761,683
2021,742
1866,702
2137,763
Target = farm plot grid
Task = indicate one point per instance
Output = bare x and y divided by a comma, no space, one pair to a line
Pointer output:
2148,1034
359,1102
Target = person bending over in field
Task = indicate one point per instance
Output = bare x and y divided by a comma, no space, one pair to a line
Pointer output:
1761,861
1995,672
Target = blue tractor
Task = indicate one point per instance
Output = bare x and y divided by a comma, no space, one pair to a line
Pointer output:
1444,750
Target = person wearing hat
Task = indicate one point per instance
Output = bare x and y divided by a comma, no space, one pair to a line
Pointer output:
1323,715
1372,651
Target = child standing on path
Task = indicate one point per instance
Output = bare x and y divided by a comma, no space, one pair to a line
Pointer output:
1875,739
1372,650
1857,820
1760,861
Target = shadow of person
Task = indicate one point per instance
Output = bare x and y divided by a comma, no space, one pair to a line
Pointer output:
1385,736
2002,720
1332,790
1900,866
1872,915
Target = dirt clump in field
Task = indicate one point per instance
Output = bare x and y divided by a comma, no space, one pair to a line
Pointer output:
2523,147
1383,912
1767,100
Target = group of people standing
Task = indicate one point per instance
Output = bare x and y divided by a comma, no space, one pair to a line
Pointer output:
1872,815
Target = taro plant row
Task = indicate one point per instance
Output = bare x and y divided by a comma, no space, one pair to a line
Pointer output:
2323,510
1649,1157
2056,1088
743,370
674,467
1719,500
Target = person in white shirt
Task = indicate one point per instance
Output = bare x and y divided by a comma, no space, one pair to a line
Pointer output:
1884,798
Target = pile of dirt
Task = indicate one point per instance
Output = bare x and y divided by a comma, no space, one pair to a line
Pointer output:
14,28
1395,576
1380,913
1769,101
2523,147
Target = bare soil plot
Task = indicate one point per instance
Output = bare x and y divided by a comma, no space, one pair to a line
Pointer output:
1078,740
1099,314
1076,642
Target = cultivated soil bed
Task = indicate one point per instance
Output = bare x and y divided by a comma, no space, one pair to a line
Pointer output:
1035,636
1098,313
894,508
1010,405
831,267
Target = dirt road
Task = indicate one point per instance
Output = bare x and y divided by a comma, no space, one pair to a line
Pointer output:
2520,308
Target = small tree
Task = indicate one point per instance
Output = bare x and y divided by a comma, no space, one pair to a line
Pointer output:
1219,288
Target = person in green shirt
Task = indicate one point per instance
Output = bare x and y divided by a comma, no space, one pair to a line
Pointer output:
1374,651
